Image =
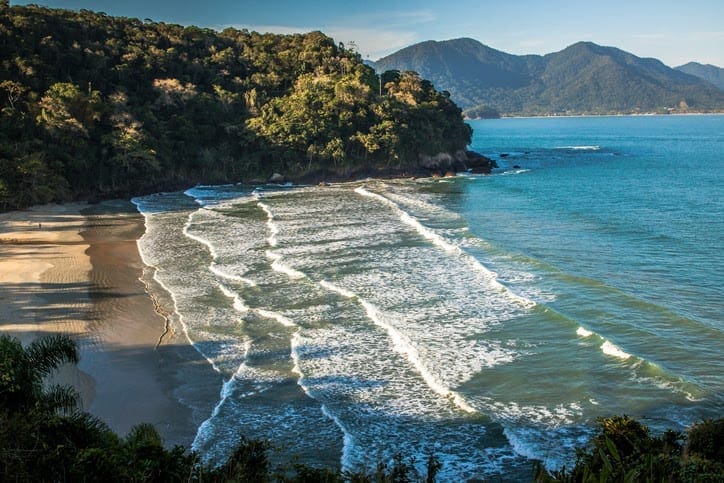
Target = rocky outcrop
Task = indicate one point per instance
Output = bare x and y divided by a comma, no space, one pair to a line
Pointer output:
477,163
428,166
458,161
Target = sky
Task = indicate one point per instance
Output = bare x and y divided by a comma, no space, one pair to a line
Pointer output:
675,32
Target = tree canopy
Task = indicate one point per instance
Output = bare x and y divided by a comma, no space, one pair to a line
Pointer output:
95,106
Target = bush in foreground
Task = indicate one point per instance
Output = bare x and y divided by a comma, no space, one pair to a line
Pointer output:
625,451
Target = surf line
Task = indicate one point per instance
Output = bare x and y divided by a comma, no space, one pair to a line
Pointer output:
448,247
156,271
213,266
403,346
296,339
226,391
275,258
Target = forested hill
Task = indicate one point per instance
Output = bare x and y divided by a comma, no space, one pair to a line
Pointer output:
95,106
708,72
583,78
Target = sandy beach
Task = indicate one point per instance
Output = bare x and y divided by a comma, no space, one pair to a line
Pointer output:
75,269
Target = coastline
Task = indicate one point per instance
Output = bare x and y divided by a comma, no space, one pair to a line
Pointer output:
75,269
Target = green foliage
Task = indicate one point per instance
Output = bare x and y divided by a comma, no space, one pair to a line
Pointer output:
705,440
708,72
124,107
482,112
624,450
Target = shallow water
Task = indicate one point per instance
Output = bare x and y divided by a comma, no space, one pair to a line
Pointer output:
488,320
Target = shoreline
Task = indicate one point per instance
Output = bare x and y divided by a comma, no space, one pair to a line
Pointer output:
646,114
76,269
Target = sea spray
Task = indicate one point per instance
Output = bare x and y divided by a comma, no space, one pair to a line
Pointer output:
348,441
448,247
204,428
156,276
403,346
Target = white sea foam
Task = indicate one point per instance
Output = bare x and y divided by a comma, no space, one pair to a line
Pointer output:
348,441
403,346
278,266
448,247
239,306
581,148
273,229
230,276
147,217
583,332
613,350
285,321
226,391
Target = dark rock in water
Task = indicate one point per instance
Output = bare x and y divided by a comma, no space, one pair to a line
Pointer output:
277,178
516,166
504,155
477,163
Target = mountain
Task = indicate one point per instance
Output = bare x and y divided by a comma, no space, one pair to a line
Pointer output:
708,72
584,78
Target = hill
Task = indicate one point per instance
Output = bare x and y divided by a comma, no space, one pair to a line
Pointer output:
708,72
584,78
95,106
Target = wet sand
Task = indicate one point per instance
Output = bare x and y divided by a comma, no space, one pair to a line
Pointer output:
75,269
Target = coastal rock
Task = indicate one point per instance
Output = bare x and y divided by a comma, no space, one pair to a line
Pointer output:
436,162
277,178
477,163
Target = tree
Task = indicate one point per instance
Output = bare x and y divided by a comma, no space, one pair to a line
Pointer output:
14,91
22,371
67,113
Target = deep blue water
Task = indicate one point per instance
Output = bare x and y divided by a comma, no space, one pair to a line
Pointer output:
486,319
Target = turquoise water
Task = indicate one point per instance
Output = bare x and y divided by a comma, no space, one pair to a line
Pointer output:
486,319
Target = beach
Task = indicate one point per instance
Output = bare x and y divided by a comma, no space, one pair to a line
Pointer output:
75,269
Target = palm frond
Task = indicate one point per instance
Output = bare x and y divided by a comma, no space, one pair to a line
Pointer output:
89,422
47,353
62,399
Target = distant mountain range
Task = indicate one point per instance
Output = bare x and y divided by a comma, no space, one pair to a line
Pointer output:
708,72
584,78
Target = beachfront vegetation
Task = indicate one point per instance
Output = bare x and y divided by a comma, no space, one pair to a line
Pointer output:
96,106
624,450
45,436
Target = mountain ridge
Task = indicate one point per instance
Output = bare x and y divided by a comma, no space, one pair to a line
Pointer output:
583,78
708,72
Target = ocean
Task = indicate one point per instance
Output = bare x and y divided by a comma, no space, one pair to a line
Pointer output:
488,320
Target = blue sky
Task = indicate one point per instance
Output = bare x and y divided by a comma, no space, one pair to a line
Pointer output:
675,32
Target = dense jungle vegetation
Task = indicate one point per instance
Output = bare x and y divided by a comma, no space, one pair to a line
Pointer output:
45,436
96,106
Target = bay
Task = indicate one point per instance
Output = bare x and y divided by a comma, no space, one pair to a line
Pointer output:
488,320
